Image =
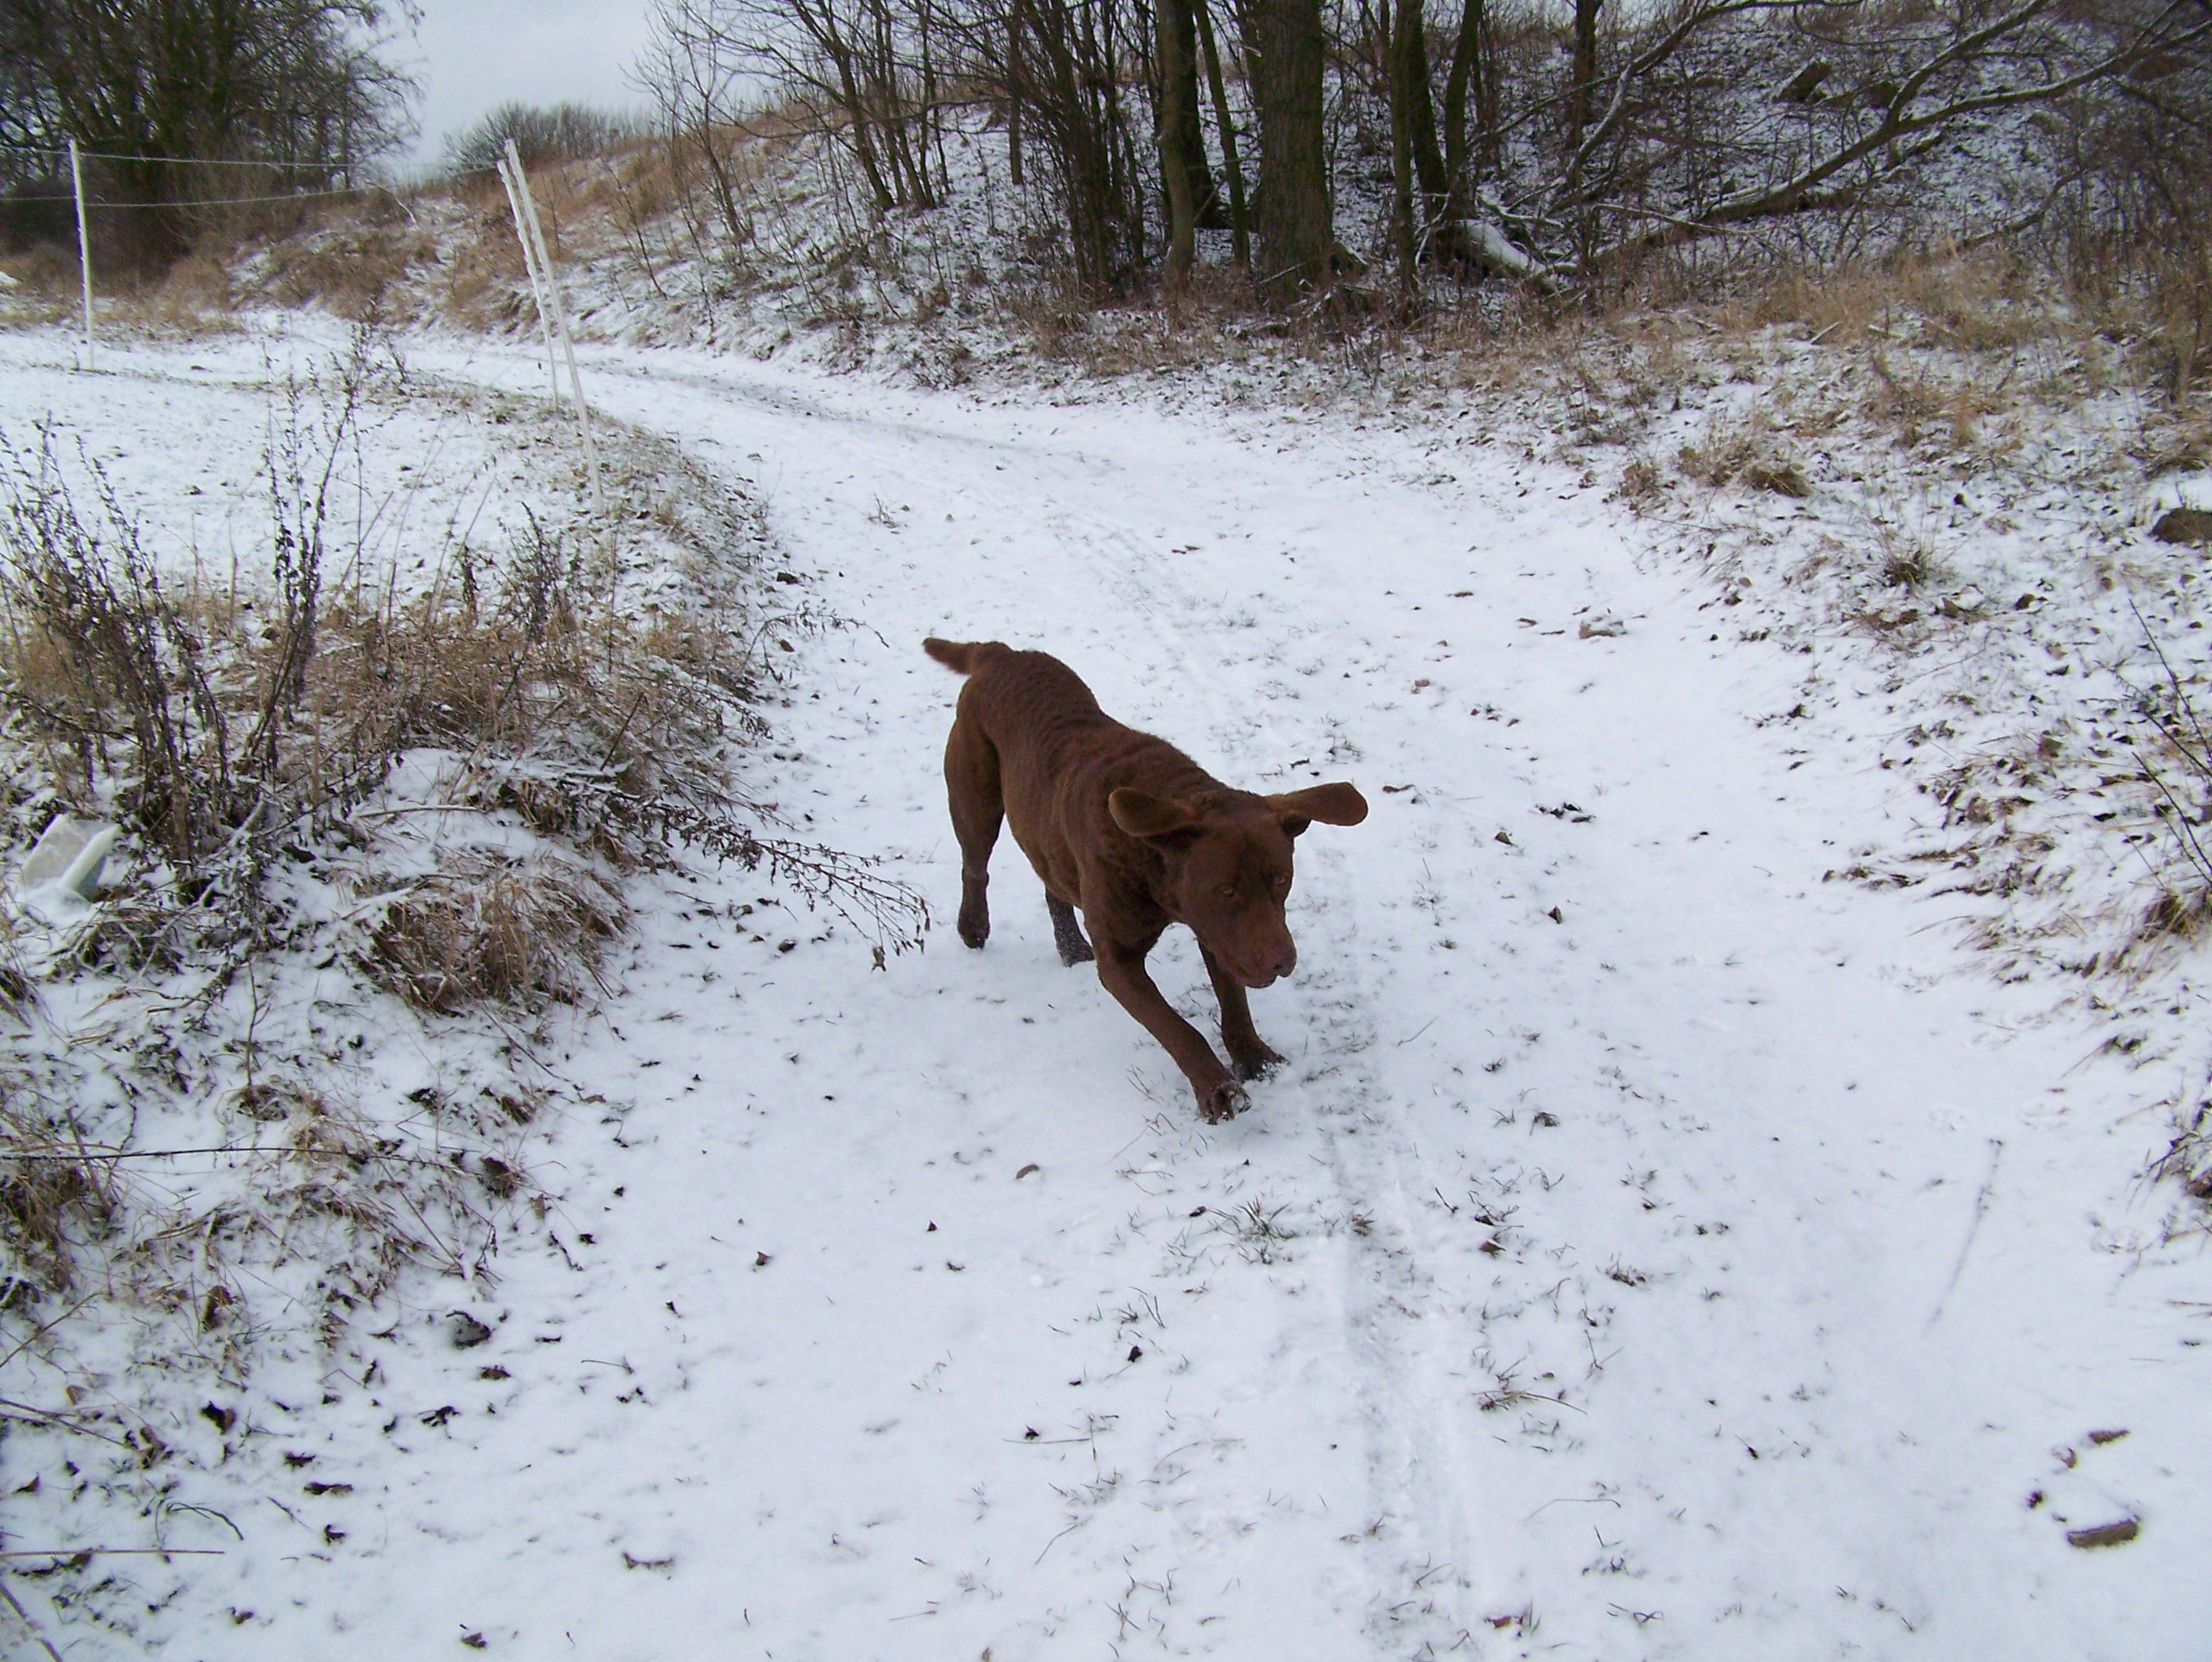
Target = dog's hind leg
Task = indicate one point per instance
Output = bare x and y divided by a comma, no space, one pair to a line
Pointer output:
1066,933
971,786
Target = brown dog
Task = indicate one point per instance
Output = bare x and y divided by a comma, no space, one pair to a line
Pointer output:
1132,830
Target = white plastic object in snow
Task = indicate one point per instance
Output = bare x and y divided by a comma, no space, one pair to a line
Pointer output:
67,859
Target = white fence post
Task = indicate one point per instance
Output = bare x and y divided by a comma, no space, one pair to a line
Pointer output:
560,328
83,245
537,286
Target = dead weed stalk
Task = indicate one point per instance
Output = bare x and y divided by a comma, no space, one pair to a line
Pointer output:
2179,772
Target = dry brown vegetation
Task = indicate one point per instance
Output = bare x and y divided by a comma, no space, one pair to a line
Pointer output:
480,929
242,724
350,270
466,773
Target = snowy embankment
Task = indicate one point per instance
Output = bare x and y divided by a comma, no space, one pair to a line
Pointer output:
1650,1249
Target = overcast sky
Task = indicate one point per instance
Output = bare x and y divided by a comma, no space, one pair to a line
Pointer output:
471,56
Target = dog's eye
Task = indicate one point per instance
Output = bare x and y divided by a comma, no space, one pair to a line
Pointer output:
1283,885
1227,891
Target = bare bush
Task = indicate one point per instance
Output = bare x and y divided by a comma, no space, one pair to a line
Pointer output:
481,929
102,664
557,132
220,744
418,805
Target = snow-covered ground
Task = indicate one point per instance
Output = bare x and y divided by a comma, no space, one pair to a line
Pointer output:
1651,1249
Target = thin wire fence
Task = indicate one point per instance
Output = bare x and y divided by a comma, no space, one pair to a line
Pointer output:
382,181
544,283
177,162
241,201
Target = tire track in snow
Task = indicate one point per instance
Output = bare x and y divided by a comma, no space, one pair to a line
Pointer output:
1399,1293
1419,1556
1420,1503
1413,1529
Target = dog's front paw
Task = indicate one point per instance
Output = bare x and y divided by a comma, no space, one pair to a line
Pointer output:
1224,1102
1256,1061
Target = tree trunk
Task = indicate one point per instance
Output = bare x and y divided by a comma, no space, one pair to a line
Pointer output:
926,116
1585,71
1291,208
1063,80
1419,182
864,144
1128,194
1015,92
1466,68
1404,233
1173,28
1205,194
1239,238
1421,112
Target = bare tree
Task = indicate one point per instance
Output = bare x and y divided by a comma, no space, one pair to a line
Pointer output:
1710,117
1225,125
696,72
1177,33
1554,147
1292,213
155,84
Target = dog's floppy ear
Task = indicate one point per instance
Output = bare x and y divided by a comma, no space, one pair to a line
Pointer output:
1332,804
1141,814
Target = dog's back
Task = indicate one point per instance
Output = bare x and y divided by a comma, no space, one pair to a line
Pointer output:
1046,728
1036,713
1025,686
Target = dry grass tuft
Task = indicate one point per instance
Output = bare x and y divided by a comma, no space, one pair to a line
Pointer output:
1745,450
1642,483
2172,916
53,1195
348,268
478,929
1907,562
2188,1157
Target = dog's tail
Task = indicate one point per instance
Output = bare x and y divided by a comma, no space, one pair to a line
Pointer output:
964,657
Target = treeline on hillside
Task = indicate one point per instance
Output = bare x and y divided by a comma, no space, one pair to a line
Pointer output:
555,132
1555,143
293,94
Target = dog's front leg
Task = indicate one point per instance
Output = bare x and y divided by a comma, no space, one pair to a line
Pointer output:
1251,1054
1121,971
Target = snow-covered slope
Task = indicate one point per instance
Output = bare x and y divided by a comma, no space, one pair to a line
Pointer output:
1651,1249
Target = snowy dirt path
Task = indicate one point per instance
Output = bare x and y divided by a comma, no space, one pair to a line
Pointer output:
1650,1249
